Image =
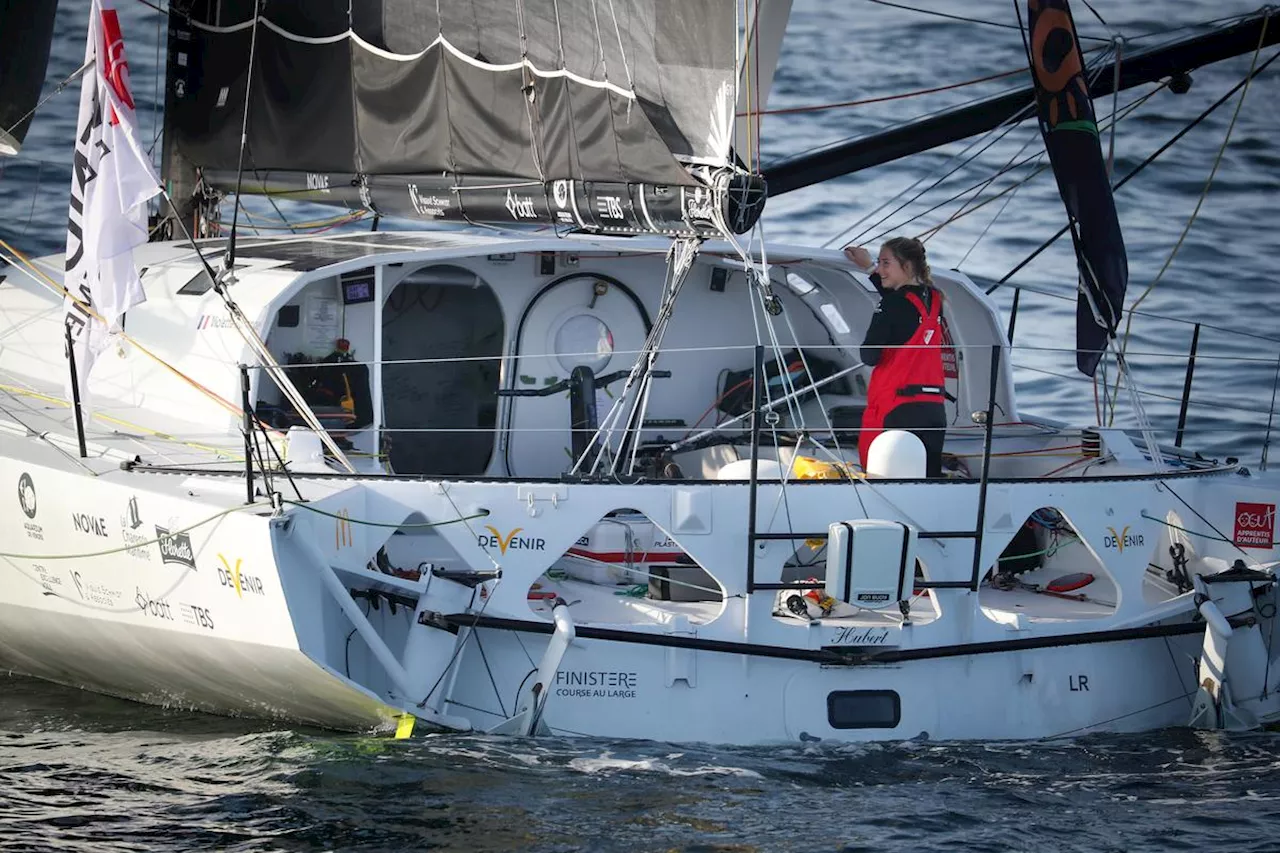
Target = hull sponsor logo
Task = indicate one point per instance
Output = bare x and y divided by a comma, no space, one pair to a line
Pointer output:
509,541
592,684
520,207
27,495
50,581
94,592
610,207
241,582
156,608
697,204
317,183
135,542
560,192
175,548
1119,541
90,525
27,500
196,616
1255,525
428,206
213,321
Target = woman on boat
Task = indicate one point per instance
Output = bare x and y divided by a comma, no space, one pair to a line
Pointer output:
907,385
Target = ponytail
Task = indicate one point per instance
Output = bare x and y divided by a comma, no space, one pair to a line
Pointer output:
910,253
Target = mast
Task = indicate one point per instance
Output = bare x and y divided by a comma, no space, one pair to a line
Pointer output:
178,173
762,44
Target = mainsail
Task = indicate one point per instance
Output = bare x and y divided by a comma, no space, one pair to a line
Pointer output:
26,33
578,112
1070,133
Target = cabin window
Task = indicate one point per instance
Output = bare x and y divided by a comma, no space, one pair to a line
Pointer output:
584,341
864,709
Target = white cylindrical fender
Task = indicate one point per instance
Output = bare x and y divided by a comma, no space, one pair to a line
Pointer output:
897,454
740,469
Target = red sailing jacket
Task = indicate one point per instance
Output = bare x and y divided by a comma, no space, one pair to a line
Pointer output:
909,375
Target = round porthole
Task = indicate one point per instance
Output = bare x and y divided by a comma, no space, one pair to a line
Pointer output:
584,339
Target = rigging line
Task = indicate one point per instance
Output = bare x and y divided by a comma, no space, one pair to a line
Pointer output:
754,58
57,90
1125,112
840,236
462,642
1223,537
279,461
1089,6
39,277
962,212
1098,723
256,345
604,70
1008,128
978,189
1203,193
493,681
98,414
528,91
1212,22
1115,108
966,20
44,436
230,259
883,98
964,151
1147,162
999,213
156,128
151,5
1009,124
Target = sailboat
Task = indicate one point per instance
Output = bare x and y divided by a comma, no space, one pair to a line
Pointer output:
580,457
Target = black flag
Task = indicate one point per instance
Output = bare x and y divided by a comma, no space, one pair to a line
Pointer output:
1071,138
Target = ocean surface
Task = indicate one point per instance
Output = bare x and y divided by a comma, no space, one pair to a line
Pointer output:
84,772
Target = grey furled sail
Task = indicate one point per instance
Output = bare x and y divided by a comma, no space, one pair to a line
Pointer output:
610,116
26,35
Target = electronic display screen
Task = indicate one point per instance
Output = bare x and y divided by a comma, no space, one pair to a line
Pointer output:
360,290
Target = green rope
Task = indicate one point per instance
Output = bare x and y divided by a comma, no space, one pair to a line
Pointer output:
1202,535
481,514
134,545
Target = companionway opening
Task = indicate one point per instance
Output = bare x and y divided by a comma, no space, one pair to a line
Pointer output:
441,345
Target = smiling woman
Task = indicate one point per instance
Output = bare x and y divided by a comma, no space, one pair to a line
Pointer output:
904,343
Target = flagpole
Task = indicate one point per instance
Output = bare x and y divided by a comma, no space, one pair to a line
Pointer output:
75,394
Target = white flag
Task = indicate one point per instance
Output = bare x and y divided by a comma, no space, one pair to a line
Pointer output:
110,184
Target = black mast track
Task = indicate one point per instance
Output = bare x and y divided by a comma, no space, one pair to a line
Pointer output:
1144,66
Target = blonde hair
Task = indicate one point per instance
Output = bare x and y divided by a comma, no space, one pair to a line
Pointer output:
910,253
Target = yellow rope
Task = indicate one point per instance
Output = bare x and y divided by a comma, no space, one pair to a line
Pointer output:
23,392
37,274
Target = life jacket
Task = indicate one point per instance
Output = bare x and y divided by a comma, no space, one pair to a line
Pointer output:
912,374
